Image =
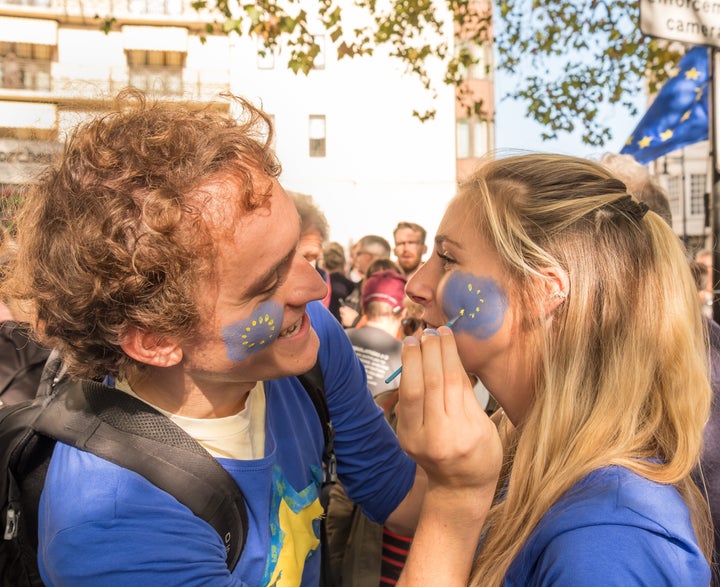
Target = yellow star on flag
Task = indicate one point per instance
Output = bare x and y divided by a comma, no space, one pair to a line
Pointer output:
645,142
685,116
666,135
692,74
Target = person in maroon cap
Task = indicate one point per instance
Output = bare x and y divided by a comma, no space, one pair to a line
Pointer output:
376,343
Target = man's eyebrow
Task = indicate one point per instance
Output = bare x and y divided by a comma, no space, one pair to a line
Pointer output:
260,284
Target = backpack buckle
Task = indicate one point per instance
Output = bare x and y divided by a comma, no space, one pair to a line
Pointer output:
11,524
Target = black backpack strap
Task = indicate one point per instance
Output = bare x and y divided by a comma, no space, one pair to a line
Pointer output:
124,430
315,386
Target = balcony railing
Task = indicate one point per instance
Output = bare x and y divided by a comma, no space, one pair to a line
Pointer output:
33,3
101,82
167,11
25,74
157,80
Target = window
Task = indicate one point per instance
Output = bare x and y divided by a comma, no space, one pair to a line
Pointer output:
674,187
156,71
483,60
473,138
484,67
25,66
698,187
317,135
170,7
462,137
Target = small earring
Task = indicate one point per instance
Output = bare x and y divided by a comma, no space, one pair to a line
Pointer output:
558,293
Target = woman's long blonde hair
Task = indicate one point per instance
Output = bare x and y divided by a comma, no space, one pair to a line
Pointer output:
621,373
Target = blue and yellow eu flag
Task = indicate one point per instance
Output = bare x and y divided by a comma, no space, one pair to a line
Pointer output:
679,115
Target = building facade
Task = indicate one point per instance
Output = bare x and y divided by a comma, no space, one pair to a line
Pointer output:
344,133
686,175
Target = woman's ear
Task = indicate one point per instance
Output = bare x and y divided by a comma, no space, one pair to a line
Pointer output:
151,349
557,287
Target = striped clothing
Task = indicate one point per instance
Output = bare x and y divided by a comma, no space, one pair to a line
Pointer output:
395,550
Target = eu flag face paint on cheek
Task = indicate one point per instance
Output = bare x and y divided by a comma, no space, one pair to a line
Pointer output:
255,333
479,301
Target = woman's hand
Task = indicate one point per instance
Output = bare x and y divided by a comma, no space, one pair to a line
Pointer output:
440,422
444,429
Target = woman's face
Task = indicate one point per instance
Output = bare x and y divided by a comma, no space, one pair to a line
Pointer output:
464,279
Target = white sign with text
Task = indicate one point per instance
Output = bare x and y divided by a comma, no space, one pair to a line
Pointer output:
688,21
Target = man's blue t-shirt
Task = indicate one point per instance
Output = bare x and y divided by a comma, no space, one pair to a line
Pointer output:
616,529
101,525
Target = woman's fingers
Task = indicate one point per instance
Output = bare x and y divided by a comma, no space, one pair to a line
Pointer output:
431,395
411,391
433,376
440,423
455,379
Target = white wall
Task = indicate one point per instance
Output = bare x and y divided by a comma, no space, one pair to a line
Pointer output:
383,165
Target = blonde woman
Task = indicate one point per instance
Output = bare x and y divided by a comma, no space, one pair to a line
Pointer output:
576,308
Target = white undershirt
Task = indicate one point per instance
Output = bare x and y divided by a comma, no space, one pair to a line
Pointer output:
240,436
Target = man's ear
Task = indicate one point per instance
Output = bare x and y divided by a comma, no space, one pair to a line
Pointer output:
151,349
557,287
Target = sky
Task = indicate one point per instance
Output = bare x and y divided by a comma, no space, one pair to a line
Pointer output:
514,130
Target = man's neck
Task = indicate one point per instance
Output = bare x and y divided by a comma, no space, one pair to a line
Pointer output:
176,392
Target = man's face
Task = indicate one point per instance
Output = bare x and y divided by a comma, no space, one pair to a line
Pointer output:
409,249
255,324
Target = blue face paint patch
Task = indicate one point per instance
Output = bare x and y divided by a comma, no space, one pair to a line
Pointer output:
479,301
253,334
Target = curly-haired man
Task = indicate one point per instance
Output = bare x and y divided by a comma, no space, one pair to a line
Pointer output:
160,252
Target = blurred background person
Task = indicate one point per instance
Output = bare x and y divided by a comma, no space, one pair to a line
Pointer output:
639,183
21,358
349,317
409,246
372,252
314,232
705,257
352,271
376,343
368,249
341,286
702,279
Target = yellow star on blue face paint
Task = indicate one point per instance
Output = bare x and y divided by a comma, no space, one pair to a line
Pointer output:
267,324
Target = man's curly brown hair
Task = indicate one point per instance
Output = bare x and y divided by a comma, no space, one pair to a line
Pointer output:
114,234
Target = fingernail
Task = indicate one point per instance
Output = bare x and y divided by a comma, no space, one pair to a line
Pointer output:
430,332
411,340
